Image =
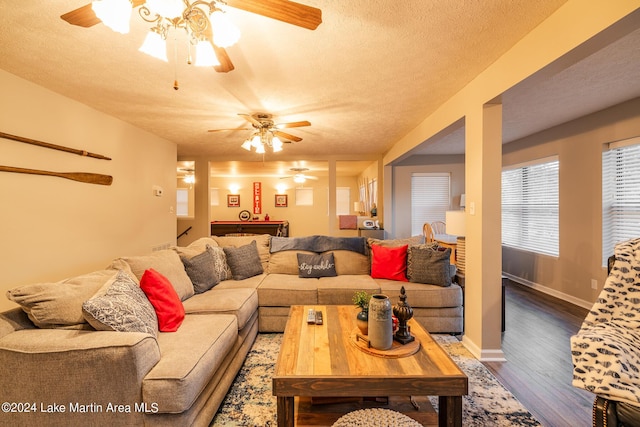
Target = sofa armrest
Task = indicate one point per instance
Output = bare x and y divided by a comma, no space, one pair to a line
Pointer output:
14,320
56,365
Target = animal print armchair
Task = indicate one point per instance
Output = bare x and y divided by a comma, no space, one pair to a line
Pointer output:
606,349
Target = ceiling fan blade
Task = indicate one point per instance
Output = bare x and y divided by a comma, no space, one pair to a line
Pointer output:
283,10
293,124
85,16
311,177
225,62
250,118
223,130
287,136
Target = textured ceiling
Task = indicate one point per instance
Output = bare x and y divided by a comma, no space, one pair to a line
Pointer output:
368,75
562,92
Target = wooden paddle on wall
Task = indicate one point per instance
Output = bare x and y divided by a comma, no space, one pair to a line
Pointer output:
53,146
90,178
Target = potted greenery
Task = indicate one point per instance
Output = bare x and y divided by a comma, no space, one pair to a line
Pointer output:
361,300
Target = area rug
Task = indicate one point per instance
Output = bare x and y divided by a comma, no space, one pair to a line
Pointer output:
250,402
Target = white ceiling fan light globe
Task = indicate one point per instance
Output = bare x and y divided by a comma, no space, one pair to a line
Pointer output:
260,149
169,9
256,141
299,178
115,14
225,33
276,144
154,45
246,145
205,56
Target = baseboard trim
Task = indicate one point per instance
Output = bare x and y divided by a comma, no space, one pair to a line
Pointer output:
546,290
483,355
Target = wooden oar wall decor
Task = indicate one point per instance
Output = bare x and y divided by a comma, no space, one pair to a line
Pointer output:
53,146
87,177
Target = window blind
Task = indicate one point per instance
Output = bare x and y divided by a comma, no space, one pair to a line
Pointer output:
182,202
343,198
620,195
530,207
430,199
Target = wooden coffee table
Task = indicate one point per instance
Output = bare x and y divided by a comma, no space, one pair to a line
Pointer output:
322,361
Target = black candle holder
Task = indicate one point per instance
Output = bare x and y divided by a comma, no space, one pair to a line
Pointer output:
403,313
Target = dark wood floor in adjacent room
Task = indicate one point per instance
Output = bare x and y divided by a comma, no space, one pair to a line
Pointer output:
539,370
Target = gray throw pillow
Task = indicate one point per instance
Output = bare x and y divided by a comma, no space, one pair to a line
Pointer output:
201,270
429,266
123,307
244,261
316,265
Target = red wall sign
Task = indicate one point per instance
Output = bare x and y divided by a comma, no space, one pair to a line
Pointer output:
257,198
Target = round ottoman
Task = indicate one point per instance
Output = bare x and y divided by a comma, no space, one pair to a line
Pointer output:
376,417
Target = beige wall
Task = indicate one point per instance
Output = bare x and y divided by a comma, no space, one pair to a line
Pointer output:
54,228
303,220
578,145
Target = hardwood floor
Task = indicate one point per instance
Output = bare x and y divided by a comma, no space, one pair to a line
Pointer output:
539,370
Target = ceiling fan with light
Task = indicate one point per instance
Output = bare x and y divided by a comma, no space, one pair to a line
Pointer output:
204,21
299,177
266,133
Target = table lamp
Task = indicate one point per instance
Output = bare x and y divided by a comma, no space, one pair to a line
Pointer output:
456,226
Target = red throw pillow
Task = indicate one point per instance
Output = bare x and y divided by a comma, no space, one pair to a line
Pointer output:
389,263
164,299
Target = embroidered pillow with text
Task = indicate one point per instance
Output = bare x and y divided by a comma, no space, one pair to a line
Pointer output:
314,266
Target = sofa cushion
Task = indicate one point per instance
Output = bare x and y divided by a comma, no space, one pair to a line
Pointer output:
190,358
244,261
166,262
285,262
392,243
196,247
251,282
421,295
426,265
121,306
389,262
164,299
241,302
277,290
206,269
339,290
316,265
349,262
262,242
59,304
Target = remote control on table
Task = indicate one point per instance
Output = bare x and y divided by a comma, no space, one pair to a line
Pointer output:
311,316
318,318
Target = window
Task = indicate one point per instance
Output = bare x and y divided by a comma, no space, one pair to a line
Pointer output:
304,196
182,202
620,194
343,198
215,197
430,199
530,207
373,193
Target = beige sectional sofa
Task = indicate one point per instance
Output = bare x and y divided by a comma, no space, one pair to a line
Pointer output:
53,360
